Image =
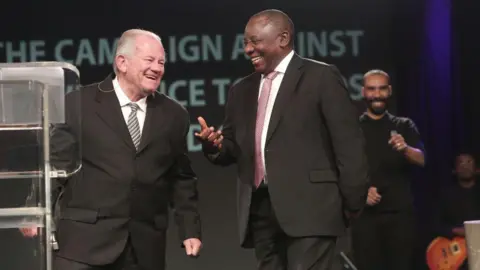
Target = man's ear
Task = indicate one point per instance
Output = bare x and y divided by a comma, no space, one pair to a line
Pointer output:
121,63
285,39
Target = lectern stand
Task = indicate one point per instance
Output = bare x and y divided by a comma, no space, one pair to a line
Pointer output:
32,104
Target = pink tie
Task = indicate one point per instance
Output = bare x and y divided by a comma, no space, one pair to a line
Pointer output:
261,110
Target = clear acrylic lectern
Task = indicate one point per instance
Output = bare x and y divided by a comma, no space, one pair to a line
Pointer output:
32,106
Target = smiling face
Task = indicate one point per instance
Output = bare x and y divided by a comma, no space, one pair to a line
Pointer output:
376,91
143,69
265,44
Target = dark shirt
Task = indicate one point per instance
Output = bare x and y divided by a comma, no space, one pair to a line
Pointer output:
456,204
390,169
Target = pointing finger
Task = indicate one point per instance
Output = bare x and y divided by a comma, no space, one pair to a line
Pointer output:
202,122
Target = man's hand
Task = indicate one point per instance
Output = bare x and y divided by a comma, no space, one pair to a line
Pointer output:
459,231
29,232
373,197
209,134
397,142
192,246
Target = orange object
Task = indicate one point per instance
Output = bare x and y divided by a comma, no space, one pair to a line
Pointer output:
446,254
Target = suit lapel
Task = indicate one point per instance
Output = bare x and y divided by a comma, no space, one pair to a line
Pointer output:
287,88
155,116
250,108
108,109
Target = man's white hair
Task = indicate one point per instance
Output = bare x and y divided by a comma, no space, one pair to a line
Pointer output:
126,43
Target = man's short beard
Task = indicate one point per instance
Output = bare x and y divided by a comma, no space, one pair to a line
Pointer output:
377,110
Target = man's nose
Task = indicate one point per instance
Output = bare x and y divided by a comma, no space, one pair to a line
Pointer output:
376,93
248,49
156,67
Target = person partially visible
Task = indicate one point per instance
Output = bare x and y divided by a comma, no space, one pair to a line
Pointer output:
458,201
383,235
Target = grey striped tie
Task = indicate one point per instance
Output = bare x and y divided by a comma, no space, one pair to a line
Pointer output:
133,125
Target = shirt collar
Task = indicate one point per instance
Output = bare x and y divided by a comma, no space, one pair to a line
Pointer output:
124,100
366,117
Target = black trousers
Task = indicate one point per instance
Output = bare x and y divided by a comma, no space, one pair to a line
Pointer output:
275,250
384,240
126,261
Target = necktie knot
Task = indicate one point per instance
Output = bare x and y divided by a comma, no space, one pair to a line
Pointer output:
134,107
271,75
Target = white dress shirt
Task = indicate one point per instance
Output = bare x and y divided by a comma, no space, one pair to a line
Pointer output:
281,68
126,110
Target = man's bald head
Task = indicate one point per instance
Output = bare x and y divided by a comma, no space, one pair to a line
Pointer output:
278,20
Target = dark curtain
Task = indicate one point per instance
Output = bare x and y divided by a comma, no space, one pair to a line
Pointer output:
466,23
437,82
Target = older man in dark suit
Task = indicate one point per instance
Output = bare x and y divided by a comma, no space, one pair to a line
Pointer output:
114,212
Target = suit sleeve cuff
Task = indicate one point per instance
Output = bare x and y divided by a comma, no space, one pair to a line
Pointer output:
190,227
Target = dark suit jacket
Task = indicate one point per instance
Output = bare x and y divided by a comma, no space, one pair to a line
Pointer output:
121,192
315,158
